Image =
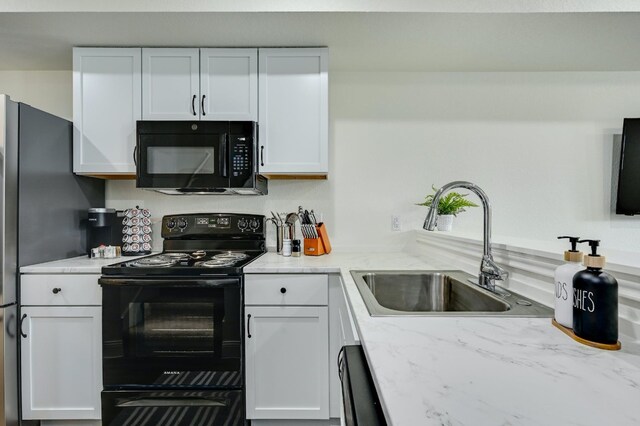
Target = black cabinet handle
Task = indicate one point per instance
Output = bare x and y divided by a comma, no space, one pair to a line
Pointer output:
21,321
193,105
203,113
57,290
262,155
283,290
248,326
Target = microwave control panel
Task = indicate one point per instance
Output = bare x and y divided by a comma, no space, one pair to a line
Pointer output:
241,161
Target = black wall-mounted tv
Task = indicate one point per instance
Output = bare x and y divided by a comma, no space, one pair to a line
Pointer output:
628,200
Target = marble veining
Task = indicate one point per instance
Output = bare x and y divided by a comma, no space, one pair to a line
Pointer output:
478,371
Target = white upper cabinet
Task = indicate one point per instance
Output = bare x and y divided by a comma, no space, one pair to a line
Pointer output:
170,84
293,111
106,106
229,84
284,89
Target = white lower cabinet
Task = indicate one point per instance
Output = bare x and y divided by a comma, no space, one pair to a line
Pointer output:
61,377
287,368
61,352
287,347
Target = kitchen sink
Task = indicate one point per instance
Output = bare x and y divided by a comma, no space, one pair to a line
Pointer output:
439,293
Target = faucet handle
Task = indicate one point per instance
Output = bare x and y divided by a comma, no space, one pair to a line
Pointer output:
491,269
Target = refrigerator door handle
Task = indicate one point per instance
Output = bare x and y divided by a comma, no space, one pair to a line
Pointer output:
10,331
21,321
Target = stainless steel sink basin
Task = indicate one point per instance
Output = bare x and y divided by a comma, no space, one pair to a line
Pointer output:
447,293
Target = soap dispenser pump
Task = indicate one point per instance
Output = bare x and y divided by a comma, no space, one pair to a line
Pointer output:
595,301
563,278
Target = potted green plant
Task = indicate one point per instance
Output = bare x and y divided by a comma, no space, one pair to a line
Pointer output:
450,205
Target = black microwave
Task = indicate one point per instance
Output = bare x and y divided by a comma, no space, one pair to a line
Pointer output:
198,157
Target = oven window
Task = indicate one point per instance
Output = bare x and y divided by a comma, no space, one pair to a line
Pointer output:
188,160
191,329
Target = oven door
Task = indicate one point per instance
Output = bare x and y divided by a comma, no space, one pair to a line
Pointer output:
177,159
172,333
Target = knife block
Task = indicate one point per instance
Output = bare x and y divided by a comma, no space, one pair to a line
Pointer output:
313,247
318,246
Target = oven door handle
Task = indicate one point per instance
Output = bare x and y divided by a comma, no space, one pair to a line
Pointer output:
176,282
172,402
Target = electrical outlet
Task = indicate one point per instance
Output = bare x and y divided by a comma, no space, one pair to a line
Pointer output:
395,223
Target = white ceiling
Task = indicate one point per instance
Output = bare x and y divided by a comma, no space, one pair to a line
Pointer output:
357,41
437,6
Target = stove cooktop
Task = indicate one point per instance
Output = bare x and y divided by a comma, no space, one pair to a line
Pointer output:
181,263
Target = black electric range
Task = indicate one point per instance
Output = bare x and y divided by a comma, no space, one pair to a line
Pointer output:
172,324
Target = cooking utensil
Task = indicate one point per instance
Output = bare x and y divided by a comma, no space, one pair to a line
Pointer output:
291,218
276,218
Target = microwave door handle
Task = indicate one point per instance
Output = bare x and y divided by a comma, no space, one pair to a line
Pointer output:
223,158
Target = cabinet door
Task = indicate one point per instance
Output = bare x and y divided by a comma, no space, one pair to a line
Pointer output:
61,363
293,111
170,84
287,362
106,105
229,84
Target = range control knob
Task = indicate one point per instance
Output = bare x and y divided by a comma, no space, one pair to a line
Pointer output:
182,223
171,224
253,224
242,224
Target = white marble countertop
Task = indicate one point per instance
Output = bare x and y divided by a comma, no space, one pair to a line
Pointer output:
478,371
74,265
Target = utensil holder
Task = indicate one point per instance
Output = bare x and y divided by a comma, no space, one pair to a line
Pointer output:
318,246
279,238
283,231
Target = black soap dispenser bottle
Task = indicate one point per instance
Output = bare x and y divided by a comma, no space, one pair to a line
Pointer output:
595,300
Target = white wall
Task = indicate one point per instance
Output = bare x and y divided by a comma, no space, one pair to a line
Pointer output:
538,143
48,90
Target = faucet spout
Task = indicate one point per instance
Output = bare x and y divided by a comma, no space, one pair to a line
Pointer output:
489,270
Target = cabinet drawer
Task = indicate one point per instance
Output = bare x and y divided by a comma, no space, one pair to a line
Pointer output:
60,290
289,289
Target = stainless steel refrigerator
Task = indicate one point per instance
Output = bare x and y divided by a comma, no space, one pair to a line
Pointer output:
42,210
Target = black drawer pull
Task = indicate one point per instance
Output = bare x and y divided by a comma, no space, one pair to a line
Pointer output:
20,325
283,290
249,326
56,290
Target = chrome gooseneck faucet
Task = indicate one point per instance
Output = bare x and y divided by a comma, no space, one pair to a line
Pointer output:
489,270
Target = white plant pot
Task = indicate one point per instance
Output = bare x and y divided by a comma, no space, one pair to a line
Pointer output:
445,222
